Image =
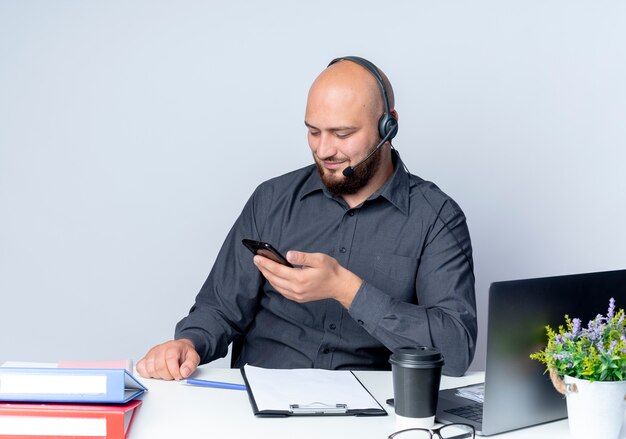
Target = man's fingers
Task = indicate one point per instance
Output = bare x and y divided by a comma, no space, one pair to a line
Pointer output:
306,259
172,363
272,272
160,368
267,265
190,363
148,366
141,368
172,360
298,258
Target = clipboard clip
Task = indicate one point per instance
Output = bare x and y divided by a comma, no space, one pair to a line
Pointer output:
318,408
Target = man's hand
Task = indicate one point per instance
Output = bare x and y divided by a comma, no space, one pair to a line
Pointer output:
172,360
321,277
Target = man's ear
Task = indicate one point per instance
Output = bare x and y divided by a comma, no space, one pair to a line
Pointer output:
394,113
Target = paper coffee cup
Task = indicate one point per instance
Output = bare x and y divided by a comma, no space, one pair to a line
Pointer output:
416,373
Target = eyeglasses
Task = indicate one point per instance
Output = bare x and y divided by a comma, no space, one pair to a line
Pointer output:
450,431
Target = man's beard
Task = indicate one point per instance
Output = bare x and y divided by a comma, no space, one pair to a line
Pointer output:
351,184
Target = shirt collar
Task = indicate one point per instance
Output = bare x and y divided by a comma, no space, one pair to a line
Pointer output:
312,184
395,190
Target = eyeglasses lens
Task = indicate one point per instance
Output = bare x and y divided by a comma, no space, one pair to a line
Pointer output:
452,431
413,434
456,431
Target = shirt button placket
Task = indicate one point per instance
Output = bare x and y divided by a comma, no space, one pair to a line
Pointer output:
347,230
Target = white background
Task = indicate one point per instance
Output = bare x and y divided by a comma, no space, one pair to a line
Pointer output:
132,133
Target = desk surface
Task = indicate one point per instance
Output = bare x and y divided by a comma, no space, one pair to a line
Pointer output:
172,409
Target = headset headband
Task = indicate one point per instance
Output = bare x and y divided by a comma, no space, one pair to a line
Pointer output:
388,124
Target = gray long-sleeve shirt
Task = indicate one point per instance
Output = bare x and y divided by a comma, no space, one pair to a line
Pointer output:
410,244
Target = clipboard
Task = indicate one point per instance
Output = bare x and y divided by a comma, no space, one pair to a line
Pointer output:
308,392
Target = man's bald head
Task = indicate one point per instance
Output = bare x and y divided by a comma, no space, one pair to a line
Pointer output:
378,74
350,77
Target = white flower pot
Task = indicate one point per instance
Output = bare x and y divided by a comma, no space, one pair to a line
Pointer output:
595,409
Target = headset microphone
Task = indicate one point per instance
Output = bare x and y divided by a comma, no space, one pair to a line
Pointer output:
350,169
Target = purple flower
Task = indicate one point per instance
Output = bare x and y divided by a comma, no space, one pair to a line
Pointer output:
599,319
609,315
593,324
593,334
575,327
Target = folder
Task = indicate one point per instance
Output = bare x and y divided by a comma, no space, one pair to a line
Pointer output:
125,363
47,421
81,385
308,392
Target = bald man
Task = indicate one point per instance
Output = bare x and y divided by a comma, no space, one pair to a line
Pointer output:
383,258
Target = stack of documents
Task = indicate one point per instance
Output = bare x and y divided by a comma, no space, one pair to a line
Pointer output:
474,393
289,392
47,400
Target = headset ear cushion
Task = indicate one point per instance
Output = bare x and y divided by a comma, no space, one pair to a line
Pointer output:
386,125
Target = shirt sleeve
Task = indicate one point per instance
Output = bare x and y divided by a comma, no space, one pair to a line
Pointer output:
228,299
444,315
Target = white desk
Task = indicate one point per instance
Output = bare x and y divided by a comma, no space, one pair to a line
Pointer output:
174,410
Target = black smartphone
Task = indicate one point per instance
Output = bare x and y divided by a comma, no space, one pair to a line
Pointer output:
267,250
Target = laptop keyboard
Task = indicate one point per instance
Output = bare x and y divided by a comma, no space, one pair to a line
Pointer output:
472,411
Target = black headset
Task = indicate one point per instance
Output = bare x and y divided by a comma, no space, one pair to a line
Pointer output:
387,124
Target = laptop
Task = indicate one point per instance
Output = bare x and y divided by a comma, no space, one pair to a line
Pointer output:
517,393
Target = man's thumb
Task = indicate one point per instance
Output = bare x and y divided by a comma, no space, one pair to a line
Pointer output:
190,364
297,258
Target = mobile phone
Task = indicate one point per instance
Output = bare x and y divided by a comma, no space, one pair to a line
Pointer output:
266,250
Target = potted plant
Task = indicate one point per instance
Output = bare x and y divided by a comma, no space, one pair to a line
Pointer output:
588,366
